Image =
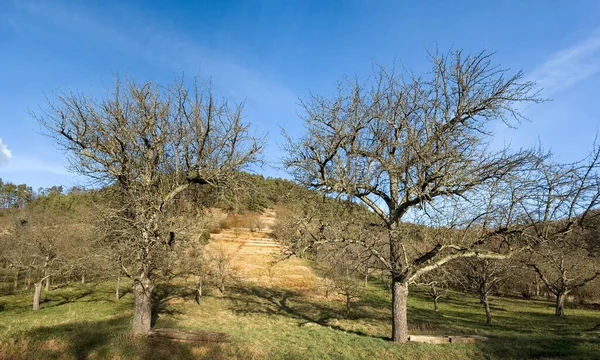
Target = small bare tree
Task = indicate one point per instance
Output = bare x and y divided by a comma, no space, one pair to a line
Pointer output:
436,282
347,284
344,272
193,265
151,143
482,277
564,206
563,266
220,267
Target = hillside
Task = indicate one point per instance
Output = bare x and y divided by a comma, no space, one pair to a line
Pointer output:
277,309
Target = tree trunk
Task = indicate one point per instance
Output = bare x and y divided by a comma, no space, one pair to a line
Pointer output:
28,284
486,306
142,305
118,288
435,303
347,304
46,266
399,322
560,303
16,284
37,294
488,313
199,292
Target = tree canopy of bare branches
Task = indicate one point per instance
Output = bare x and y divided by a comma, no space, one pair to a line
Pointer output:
402,143
152,143
561,211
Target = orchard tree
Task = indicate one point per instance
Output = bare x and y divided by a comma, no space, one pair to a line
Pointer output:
563,266
482,277
47,246
563,218
345,279
436,283
404,142
151,143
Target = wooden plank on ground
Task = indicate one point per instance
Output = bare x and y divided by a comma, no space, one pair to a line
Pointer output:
428,339
198,335
440,339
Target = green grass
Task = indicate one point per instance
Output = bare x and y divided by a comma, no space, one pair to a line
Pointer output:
82,322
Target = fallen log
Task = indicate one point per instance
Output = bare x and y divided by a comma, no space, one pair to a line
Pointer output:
186,335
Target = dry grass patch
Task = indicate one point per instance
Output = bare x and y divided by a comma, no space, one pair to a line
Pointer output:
249,221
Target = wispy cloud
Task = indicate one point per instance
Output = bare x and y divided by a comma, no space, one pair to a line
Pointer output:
135,33
566,67
5,154
144,37
27,164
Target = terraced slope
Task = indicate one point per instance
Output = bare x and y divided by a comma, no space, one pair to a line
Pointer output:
257,258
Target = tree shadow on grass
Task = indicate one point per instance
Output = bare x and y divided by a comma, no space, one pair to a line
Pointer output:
162,295
272,301
78,339
53,298
514,334
103,339
541,346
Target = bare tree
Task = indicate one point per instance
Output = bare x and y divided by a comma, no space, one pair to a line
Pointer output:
193,265
345,281
46,246
408,141
151,143
563,265
483,278
16,253
561,215
220,267
436,282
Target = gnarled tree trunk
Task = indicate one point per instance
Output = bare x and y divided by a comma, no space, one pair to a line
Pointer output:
399,322
142,305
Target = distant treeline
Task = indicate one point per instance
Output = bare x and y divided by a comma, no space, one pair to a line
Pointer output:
251,193
13,196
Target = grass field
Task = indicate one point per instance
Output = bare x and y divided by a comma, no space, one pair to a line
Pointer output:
280,323
278,311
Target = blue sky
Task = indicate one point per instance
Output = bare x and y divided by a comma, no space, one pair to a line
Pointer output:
269,53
